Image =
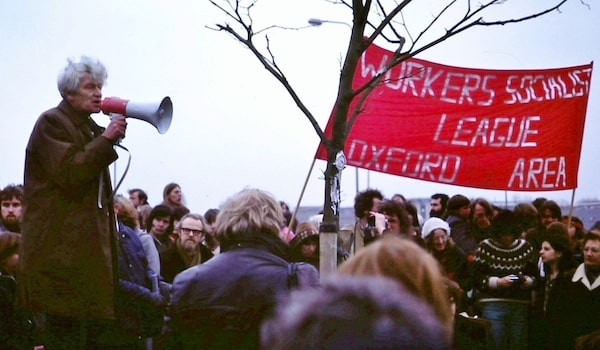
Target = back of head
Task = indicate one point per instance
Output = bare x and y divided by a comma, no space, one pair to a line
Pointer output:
526,215
354,313
576,223
456,202
126,212
537,203
504,224
249,212
69,77
407,263
179,212
558,228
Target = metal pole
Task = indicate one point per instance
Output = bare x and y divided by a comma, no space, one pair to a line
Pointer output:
302,194
357,188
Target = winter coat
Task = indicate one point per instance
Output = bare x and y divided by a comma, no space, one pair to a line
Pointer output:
140,309
172,263
462,235
221,303
580,301
68,252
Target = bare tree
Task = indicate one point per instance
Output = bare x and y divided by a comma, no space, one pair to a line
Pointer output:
379,20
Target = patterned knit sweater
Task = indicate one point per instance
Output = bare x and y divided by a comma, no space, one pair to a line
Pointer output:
492,261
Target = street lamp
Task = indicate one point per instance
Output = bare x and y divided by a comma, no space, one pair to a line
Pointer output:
315,22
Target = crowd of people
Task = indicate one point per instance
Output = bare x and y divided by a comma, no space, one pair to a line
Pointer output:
532,273
224,278
82,267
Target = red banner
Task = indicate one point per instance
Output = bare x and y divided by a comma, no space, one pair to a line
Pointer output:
517,130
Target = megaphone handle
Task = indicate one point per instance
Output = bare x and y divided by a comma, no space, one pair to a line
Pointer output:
115,115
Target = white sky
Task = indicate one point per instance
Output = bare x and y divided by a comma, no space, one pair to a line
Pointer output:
234,126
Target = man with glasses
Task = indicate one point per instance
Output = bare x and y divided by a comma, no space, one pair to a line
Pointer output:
187,250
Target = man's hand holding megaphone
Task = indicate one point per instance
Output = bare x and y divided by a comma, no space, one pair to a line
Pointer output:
115,131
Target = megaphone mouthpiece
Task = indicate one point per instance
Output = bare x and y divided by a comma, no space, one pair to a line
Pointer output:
157,114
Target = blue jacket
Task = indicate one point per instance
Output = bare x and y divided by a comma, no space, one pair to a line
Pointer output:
139,310
221,303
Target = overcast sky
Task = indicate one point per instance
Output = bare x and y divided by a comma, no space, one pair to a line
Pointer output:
234,126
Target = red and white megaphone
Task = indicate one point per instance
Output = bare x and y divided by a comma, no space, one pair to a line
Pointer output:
157,114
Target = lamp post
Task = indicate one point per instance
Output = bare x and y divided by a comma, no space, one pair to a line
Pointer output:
317,22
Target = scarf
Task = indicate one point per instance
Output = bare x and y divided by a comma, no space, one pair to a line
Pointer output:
260,240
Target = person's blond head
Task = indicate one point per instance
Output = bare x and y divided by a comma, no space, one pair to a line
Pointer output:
406,262
248,212
126,212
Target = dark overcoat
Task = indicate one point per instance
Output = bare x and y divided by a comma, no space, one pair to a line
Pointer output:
67,258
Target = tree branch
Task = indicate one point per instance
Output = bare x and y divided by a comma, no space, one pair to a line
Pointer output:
268,63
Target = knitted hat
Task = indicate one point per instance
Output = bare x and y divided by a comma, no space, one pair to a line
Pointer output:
9,244
432,224
304,231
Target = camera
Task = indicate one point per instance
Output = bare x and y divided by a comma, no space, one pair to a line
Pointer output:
371,221
515,278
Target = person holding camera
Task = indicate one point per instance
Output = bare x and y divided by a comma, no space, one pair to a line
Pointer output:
355,236
504,275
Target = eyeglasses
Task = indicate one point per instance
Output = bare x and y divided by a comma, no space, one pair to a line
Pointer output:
187,231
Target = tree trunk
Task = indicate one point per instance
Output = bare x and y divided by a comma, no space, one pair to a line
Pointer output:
336,162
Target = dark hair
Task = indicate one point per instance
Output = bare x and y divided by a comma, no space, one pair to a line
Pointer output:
11,191
390,207
399,196
557,236
179,212
553,207
211,215
526,215
537,203
577,224
168,189
487,208
593,235
160,211
364,201
504,224
142,196
443,199
456,202
413,212
284,204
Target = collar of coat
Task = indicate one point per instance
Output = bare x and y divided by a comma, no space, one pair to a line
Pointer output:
579,275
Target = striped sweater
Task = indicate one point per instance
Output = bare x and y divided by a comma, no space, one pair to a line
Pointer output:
492,261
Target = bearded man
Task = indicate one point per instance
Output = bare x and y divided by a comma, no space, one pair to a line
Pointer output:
187,250
11,204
